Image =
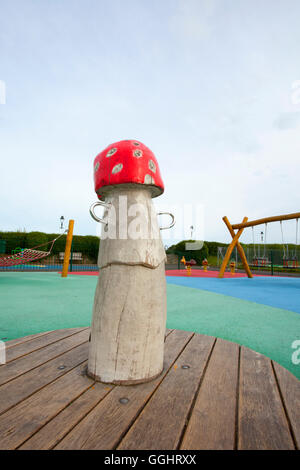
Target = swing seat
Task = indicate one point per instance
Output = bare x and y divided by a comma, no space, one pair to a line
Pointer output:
290,263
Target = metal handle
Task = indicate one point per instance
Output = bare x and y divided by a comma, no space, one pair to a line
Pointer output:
99,203
171,224
108,205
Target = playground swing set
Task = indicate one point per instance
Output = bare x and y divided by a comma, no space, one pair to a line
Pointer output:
289,259
258,261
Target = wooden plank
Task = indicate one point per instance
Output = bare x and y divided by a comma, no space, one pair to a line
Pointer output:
21,422
168,331
104,427
213,420
25,385
50,435
262,421
39,342
18,341
266,220
161,423
20,366
23,339
289,387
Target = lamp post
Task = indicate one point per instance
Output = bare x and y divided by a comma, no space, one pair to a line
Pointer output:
62,219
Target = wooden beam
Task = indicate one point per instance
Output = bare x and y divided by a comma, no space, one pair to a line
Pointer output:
266,220
239,248
230,249
68,249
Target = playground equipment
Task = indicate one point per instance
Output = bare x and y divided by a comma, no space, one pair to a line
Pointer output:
27,255
205,264
232,267
189,265
240,228
129,315
260,261
287,260
68,249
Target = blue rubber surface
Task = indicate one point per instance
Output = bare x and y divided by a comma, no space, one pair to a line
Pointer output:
280,292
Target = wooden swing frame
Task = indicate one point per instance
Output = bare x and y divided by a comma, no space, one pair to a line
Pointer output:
236,235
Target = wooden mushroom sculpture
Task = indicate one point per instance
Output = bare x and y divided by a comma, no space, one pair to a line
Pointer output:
129,313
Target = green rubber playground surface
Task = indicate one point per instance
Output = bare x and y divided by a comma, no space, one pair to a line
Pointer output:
36,302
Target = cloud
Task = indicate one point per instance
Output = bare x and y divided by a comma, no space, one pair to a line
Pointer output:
193,18
287,120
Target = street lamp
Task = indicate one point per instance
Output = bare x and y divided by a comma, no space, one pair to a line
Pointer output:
62,222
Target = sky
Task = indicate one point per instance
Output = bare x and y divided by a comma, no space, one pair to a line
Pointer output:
212,87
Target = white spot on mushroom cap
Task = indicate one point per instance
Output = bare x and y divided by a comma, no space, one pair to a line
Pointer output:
152,166
136,143
137,153
96,167
149,179
111,152
117,168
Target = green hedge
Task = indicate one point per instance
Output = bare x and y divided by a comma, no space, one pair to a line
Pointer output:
13,240
212,247
34,239
87,245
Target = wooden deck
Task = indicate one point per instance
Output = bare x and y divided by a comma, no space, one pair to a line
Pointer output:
212,394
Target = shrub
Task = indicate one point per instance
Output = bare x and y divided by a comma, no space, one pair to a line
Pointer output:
197,255
213,247
34,239
13,240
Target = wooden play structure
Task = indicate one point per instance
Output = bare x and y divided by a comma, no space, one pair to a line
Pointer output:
130,305
205,264
239,230
68,249
188,265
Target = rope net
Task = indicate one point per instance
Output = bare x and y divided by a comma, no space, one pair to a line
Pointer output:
26,256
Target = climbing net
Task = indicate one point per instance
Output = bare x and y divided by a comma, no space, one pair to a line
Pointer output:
27,255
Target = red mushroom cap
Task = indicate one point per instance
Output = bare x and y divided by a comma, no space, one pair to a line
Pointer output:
127,162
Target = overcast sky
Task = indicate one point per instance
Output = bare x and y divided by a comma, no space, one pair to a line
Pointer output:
212,87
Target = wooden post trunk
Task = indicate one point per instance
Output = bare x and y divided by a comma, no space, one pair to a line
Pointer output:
129,314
